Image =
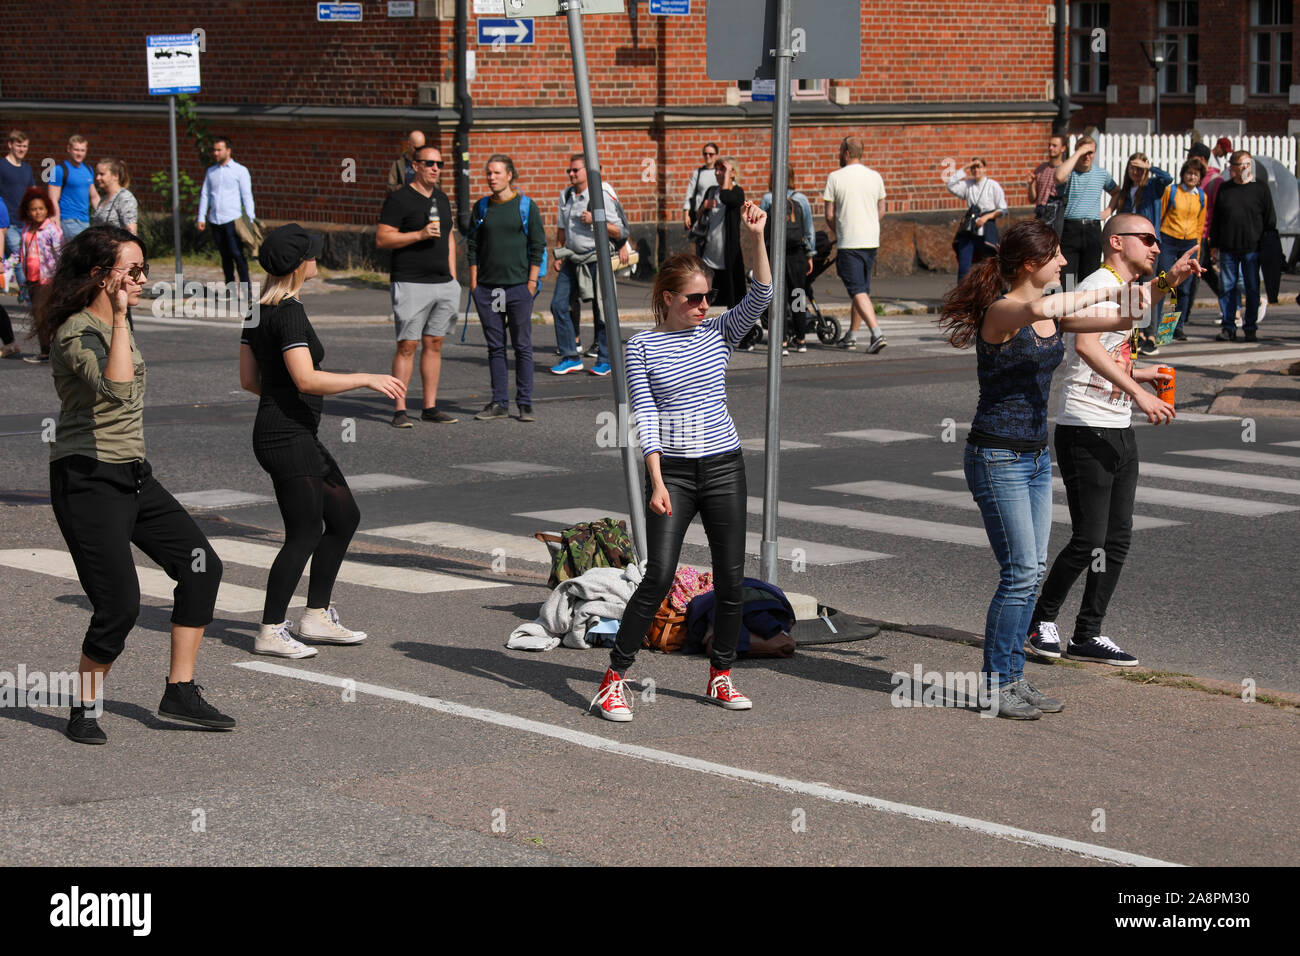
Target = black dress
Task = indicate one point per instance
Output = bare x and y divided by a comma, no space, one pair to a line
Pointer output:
284,435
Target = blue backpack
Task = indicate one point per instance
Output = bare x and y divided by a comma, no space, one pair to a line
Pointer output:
525,211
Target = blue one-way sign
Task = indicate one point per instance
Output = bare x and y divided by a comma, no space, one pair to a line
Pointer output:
517,32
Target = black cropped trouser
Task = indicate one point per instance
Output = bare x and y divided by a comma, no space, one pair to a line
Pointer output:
715,488
102,509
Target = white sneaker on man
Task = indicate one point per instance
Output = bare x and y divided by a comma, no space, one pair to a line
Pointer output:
275,639
321,626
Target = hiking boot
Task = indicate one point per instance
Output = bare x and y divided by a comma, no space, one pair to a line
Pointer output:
401,420
877,343
184,701
566,366
275,640
437,417
613,704
1100,650
1035,698
1044,641
321,626
492,410
1008,703
722,691
83,729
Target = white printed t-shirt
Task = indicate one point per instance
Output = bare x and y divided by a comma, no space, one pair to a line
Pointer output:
1088,399
855,190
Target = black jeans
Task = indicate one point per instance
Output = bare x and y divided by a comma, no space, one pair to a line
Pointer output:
232,252
102,509
1100,470
1081,246
714,487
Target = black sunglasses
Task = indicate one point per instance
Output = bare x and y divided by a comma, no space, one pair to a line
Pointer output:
429,163
1148,239
573,172
695,298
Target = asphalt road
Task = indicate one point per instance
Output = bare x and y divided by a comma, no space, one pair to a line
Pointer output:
447,728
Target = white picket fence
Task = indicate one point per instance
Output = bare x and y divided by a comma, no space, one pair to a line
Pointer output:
1169,151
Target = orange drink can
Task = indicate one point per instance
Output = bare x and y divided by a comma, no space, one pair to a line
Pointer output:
1165,390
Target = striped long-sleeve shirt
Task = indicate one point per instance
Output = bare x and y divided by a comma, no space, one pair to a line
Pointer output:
677,382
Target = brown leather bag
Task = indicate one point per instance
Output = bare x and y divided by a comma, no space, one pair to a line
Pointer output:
667,631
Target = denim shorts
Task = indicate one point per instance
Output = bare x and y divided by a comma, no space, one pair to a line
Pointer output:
854,266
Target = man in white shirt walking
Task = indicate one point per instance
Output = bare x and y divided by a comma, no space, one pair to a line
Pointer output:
227,191
855,201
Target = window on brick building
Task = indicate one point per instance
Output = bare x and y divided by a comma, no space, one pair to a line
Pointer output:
1271,30
1178,32
799,90
1089,43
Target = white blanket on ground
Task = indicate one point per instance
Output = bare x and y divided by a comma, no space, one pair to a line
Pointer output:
574,606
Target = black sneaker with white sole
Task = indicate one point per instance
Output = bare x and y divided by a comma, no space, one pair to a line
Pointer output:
184,701
1044,641
1100,650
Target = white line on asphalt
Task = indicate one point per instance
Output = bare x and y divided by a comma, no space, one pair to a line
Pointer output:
464,538
381,482
1242,456
154,583
220,498
880,435
388,577
810,552
512,468
758,444
898,491
1233,479
1238,358
1191,500
667,758
1288,444
882,524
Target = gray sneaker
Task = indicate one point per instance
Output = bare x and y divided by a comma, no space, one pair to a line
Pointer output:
1008,703
848,342
876,345
493,410
1036,698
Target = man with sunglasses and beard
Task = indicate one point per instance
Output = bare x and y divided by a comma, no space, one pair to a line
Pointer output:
415,223
1096,448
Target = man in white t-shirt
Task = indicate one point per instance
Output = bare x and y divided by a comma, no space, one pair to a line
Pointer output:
1096,449
855,201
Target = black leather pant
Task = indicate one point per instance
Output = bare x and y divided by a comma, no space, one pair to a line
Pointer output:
715,488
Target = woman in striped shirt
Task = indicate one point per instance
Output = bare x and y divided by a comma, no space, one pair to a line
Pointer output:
676,376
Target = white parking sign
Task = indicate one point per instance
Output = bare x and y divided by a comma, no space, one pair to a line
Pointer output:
173,64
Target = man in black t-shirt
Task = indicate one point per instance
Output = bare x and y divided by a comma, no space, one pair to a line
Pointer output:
1243,212
416,225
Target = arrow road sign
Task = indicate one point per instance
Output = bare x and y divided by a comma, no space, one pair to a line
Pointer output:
518,32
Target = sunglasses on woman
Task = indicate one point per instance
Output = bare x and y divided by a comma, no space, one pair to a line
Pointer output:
136,272
695,298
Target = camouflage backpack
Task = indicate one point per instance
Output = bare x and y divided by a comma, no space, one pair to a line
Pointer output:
596,544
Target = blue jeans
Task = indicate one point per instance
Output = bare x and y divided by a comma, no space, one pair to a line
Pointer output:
566,325
72,228
1014,493
1231,282
1171,250
514,312
13,246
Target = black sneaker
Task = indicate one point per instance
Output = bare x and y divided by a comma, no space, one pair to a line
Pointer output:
1251,336
526,413
400,420
1180,335
1226,335
1148,347
435,415
83,729
184,701
493,410
1044,641
37,359
1100,650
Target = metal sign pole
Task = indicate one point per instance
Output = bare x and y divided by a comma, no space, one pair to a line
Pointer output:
780,294
176,196
605,276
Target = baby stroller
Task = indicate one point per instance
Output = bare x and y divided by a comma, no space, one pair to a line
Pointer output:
826,327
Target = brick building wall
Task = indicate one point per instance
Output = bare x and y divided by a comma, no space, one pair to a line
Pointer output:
300,98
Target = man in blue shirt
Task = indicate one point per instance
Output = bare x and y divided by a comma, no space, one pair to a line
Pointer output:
72,189
227,189
1081,234
15,177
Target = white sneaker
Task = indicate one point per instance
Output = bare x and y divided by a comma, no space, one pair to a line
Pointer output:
321,626
275,639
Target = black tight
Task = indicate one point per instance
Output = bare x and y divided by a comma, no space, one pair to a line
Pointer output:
305,504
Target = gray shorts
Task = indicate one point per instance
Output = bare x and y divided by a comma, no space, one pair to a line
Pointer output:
424,308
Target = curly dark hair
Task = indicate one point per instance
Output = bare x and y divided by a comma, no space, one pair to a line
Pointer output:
76,280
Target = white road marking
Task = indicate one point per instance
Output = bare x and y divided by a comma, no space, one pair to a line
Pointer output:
1288,444
1242,456
758,444
810,552
463,537
667,758
1232,479
387,577
1172,498
220,498
882,524
879,435
381,482
1238,358
512,468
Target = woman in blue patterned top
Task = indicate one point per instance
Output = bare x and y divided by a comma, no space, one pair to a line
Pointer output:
1001,307
676,377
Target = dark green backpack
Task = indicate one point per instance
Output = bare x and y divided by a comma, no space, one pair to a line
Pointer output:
595,544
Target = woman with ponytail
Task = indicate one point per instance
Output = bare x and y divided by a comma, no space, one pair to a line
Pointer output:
1001,307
